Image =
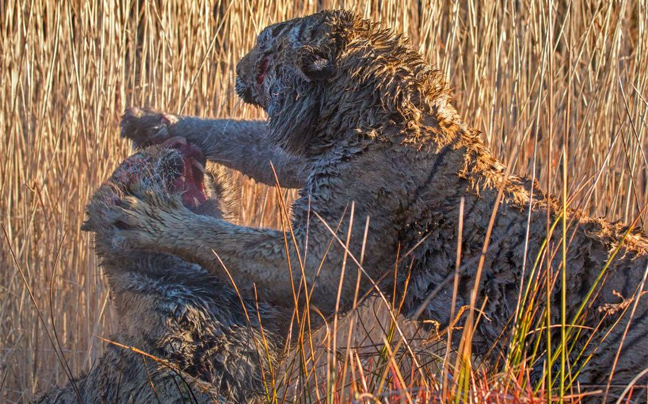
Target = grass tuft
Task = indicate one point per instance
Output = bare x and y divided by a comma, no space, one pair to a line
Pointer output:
558,89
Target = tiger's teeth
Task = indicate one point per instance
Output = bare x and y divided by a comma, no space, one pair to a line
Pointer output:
196,202
182,178
199,166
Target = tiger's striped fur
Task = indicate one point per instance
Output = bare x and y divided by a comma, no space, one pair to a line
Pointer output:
368,127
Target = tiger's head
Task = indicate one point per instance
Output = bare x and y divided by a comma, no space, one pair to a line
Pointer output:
171,169
333,74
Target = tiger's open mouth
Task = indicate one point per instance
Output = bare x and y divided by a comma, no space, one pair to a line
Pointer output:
189,168
250,85
263,70
173,166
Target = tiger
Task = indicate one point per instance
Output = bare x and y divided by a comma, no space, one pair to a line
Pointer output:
392,184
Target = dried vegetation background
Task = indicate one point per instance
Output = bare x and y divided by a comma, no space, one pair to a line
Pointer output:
543,81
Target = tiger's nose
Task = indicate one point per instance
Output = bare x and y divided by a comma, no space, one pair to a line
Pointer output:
240,66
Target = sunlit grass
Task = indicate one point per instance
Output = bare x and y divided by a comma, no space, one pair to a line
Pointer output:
558,90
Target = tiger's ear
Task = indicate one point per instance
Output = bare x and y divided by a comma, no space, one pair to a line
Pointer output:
314,64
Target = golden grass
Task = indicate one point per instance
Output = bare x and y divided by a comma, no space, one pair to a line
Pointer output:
544,82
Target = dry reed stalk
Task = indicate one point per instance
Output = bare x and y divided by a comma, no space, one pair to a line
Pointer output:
537,78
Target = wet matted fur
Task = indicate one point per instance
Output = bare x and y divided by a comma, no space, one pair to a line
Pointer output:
356,118
194,339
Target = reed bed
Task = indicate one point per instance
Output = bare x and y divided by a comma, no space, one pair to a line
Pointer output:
550,84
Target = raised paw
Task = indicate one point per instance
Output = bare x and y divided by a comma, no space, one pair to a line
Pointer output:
141,221
146,127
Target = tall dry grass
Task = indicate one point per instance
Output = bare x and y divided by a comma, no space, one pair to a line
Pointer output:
544,82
